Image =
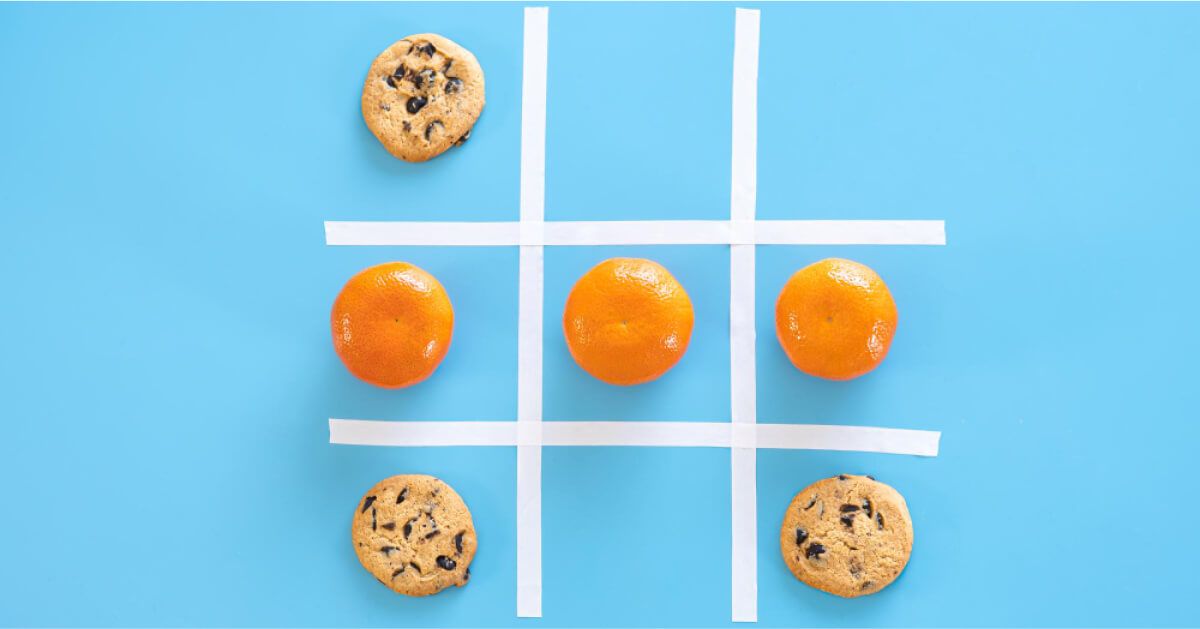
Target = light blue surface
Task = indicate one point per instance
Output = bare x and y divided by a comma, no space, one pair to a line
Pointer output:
165,171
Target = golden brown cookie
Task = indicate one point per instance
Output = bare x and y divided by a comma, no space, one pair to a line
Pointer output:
415,534
847,535
422,96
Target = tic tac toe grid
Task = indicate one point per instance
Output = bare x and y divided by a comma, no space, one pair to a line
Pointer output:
743,436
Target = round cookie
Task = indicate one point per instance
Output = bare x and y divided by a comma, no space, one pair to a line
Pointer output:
415,534
847,535
422,96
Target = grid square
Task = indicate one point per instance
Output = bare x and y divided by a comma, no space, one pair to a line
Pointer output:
617,84
625,566
905,390
696,389
373,185
482,285
779,596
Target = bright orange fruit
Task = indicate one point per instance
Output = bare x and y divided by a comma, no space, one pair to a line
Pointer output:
392,324
835,319
627,321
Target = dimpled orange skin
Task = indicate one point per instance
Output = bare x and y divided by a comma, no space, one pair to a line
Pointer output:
628,321
835,319
392,324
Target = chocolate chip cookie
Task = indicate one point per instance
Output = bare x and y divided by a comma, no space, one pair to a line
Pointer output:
847,535
415,534
422,96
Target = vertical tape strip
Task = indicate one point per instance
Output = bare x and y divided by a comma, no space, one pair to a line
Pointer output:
529,333
743,460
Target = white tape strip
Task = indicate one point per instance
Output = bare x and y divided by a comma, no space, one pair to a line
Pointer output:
529,330
850,438
366,432
592,233
663,434
743,195
814,232
420,233
637,232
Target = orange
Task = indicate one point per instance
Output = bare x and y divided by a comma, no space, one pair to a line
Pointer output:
835,319
627,321
392,324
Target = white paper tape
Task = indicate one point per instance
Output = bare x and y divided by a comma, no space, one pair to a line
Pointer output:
399,233
366,432
743,384
637,232
529,327
815,232
852,438
533,113
662,434
599,233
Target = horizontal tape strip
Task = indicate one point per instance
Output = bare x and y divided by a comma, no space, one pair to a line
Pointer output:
365,432
595,233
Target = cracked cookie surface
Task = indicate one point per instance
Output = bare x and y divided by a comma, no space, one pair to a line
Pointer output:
415,534
422,96
847,535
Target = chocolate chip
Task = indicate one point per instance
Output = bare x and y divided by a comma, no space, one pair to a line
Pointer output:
848,520
855,569
847,508
453,85
415,567
841,477
397,572
403,492
387,550
811,501
879,519
400,71
391,526
467,575
372,518
415,104
458,543
464,138
429,128
801,535
813,550
367,503
446,563
446,68
407,127
391,81
408,528
423,78
866,584
869,508
425,48
870,477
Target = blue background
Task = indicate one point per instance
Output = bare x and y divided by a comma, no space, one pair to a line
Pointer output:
165,171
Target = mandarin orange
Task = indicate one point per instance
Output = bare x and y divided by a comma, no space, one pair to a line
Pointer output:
392,324
627,321
835,319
